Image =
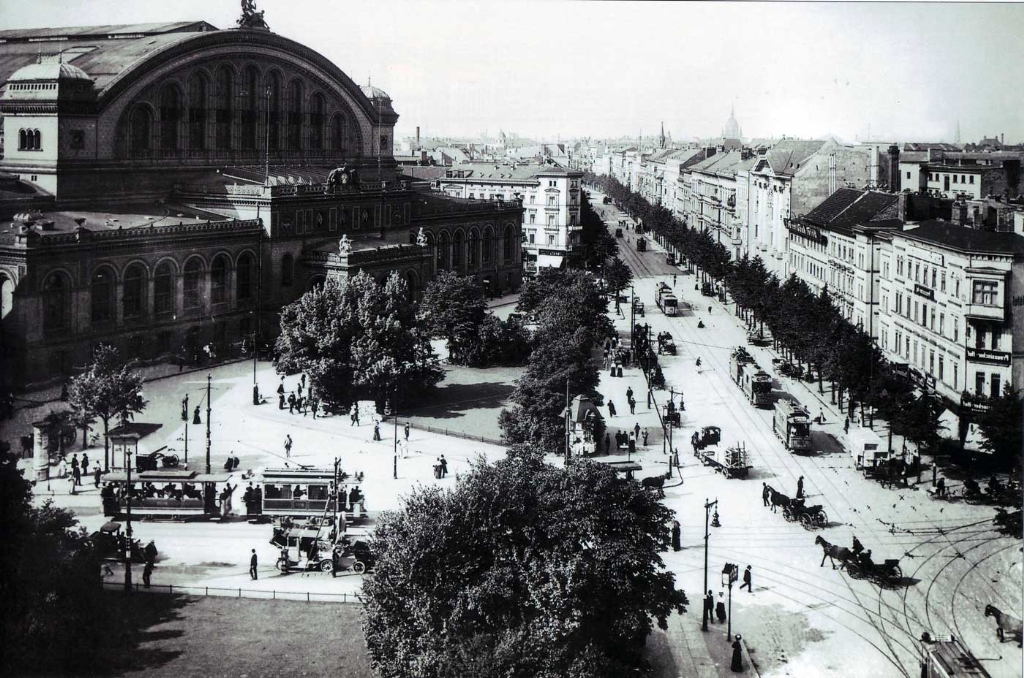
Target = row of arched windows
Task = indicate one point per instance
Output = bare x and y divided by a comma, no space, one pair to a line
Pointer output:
455,251
56,290
30,140
244,112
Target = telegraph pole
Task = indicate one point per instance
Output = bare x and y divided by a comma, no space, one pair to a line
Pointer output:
707,534
209,388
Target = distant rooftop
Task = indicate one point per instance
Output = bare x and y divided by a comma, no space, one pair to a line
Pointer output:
966,239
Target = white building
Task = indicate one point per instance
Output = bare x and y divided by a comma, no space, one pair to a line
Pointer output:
712,196
551,202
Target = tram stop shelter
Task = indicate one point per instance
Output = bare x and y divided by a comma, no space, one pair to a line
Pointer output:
130,440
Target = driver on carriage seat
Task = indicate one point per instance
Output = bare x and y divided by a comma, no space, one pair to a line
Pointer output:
865,558
858,548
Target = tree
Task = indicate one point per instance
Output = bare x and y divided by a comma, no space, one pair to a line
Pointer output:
520,570
50,586
355,338
453,308
618,275
1000,423
501,342
109,388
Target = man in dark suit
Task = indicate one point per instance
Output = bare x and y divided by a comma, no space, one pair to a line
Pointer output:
252,565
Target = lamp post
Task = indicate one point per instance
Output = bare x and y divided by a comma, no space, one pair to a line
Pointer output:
708,505
729,576
209,382
184,418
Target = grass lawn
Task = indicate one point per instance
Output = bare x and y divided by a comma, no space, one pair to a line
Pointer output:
468,400
181,636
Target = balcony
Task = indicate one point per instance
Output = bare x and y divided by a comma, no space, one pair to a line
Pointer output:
985,312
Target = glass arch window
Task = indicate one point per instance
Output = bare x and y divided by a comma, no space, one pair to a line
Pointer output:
192,279
317,122
56,298
163,289
197,94
224,115
141,129
133,300
102,288
170,117
243,278
219,280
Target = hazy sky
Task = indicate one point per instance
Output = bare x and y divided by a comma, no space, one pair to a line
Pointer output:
544,68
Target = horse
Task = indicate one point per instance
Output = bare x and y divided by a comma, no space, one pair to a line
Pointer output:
778,499
655,483
1006,624
833,552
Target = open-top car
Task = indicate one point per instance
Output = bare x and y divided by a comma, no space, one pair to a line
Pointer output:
110,543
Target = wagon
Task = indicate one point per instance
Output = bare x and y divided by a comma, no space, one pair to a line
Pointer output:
809,516
732,462
886,573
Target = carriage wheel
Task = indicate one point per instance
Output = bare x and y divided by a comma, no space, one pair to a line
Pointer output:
854,570
894,575
805,521
326,566
359,567
973,498
282,565
788,515
820,519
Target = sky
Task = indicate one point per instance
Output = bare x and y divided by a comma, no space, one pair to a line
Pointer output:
548,69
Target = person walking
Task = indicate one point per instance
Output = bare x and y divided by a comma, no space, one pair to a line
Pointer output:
96,475
765,494
355,414
800,488
291,402
607,442
720,608
288,446
74,462
406,432
376,430
846,426
746,581
673,280
648,399
737,655
444,466
147,573
314,406
636,430
252,566
299,388
629,393
280,395
676,536
709,607
611,409
76,474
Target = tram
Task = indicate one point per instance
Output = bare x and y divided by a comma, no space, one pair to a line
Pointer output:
166,493
310,492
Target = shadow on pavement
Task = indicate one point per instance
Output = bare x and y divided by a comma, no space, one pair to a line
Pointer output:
450,401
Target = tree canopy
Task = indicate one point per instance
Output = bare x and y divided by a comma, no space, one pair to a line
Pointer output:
523,569
110,388
1001,423
357,339
618,275
453,308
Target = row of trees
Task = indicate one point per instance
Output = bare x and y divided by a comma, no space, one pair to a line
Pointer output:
808,329
571,320
523,569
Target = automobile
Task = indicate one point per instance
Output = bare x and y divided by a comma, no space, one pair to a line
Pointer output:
356,556
303,547
109,543
618,232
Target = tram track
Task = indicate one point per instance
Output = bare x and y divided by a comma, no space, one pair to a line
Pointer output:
637,263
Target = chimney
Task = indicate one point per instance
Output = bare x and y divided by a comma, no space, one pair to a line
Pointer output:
959,215
1002,139
894,169
901,206
417,137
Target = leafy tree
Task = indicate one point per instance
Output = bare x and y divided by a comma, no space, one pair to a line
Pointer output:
501,342
50,586
354,339
598,244
520,571
617,275
1000,424
453,308
109,388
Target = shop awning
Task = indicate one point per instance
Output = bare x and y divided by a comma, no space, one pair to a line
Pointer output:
548,260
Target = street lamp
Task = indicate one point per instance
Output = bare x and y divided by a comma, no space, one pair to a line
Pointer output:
730,573
184,418
708,505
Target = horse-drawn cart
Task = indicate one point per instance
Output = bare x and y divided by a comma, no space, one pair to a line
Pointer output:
809,516
731,462
886,573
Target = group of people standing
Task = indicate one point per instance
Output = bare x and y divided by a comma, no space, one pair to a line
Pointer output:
297,402
78,469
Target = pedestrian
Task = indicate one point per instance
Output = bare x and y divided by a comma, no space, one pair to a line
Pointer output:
247,499
846,426
632,406
611,409
940,487
85,462
76,473
629,393
636,430
376,430
336,558
673,280
645,437
147,573
303,379
280,401
444,466
252,566
607,442
709,607
96,474
302,403
800,487
821,415
299,388
648,399
737,655
676,534
720,608
288,446
765,493
314,406
355,414
291,403
406,431
258,500
746,581
71,482
74,462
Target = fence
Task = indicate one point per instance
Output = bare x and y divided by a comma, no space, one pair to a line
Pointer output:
460,434
170,589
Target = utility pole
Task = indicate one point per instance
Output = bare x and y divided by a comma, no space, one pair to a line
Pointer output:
128,519
707,534
184,416
209,382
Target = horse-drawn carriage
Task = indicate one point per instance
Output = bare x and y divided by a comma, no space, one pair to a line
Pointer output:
666,344
859,565
111,544
808,516
970,491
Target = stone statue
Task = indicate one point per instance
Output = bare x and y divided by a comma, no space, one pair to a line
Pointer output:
421,237
250,17
344,245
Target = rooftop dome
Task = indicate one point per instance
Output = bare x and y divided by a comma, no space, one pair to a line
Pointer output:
48,70
372,93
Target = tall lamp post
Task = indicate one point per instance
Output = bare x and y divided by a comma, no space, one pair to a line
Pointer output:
729,576
708,505
126,439
209,382
184,418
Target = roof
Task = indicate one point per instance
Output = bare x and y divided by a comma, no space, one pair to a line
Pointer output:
101,52
925,145
914,156
48,70
788,155
372,92
726,164
849,207
518,172
112,219
948,234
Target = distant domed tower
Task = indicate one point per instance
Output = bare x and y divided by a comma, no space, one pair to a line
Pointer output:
732,128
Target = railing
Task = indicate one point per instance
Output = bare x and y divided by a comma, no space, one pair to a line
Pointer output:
214,591
459,434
